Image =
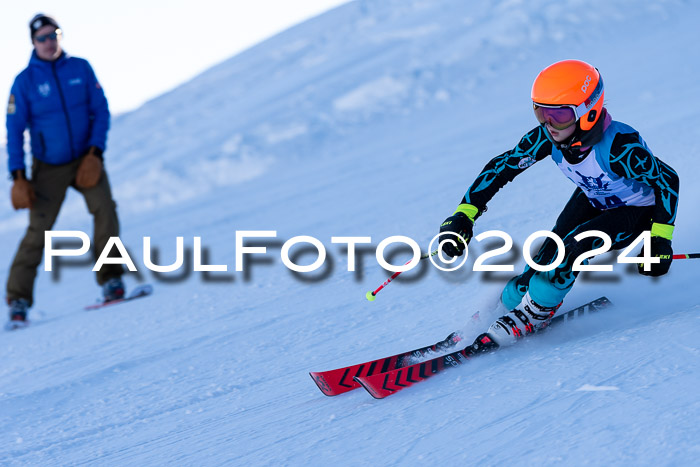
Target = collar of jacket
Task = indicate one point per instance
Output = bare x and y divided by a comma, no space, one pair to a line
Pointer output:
579,145
35,60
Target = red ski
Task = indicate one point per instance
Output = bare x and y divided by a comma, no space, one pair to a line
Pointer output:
385,384
138,292
339,381
381,385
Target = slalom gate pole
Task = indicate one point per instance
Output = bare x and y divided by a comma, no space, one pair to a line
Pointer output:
372,295
687,256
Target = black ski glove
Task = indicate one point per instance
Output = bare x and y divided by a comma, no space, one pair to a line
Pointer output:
660,248
460,224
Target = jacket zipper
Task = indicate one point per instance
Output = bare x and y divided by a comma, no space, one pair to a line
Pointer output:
43,144
65,110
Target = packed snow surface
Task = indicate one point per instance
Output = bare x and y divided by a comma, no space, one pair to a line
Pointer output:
369,120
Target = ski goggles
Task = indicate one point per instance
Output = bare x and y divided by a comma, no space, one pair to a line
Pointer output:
562,117
559,117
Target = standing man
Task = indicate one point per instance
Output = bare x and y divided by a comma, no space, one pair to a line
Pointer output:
59,100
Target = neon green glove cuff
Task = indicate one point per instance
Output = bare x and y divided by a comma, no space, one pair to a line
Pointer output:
662,230
468,210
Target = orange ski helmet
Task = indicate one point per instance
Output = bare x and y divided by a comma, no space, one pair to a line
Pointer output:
569,84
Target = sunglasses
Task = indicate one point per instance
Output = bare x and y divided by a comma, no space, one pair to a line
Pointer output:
44,37
562,117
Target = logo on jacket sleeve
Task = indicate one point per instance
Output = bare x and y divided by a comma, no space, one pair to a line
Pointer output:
45,89
11,107
526,162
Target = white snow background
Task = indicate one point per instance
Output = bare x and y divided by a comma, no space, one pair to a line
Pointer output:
369,120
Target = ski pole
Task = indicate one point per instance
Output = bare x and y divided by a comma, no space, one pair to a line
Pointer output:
687,256
371,296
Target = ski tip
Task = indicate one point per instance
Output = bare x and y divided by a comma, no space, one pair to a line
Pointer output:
368,388
322,384
142,290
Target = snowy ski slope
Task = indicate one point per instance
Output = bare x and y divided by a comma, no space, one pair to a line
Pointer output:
369,120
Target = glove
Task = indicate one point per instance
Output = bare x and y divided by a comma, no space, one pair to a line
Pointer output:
460,224
660,248
89,170
22,194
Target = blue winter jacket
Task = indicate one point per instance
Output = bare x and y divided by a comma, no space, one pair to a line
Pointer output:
63,106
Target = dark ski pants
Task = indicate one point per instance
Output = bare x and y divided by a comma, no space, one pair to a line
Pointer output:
50,184
623,225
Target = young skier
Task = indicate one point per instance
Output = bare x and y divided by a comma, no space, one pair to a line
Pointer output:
623,190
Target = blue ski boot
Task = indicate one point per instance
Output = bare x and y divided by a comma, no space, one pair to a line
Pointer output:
18,314
113,289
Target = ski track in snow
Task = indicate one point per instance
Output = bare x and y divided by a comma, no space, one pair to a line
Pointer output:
369,120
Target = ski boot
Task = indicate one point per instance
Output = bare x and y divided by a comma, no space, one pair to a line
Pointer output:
526,318
18,314
113,289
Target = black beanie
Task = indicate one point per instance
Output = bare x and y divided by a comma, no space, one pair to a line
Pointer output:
39,21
